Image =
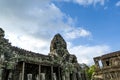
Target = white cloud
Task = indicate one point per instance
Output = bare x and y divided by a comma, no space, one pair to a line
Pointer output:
29,43
85,54
76,33
118,4
32,24
44,20
86,2
89,2
32,21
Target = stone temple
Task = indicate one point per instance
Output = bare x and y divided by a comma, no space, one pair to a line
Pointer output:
20,64
107,66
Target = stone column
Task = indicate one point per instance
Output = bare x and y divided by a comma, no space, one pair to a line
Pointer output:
1,73
79,76
29,76
74,76
23,70
54,76
39,72
10,75
42,76
59,77
51,72
20,76
67,76
63,77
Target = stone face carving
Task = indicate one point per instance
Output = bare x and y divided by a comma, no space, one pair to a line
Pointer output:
58,42
58,45
58,49
60,54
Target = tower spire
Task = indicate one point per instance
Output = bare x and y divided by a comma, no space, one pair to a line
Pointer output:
58,45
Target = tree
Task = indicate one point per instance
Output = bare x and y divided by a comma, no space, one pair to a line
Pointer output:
91,71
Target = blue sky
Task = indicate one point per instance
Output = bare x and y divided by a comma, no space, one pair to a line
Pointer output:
101,20
90,27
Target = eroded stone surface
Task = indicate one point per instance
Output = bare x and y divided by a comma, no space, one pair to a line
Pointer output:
17,63
107,66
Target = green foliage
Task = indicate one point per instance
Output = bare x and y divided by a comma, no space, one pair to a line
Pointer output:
91,71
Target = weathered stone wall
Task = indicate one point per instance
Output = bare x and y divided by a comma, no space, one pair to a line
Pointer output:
68,62
109,69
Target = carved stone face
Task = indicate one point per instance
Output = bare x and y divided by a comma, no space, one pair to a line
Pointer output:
58,43
1,32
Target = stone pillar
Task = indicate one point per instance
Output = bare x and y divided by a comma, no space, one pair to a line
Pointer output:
54,76
63,77
74,76
59,77
29,76
51,72
39,72
37,77
10,76
20,76
23,70
1,71
67,76
42,76
96,60
79,76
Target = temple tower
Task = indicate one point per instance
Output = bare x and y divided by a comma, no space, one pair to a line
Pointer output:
58,46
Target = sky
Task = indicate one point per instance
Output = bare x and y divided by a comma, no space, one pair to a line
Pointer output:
91,28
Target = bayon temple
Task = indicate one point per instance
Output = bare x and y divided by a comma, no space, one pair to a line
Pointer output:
20,64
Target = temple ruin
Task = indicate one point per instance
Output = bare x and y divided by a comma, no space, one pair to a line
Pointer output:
20,64
107,66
